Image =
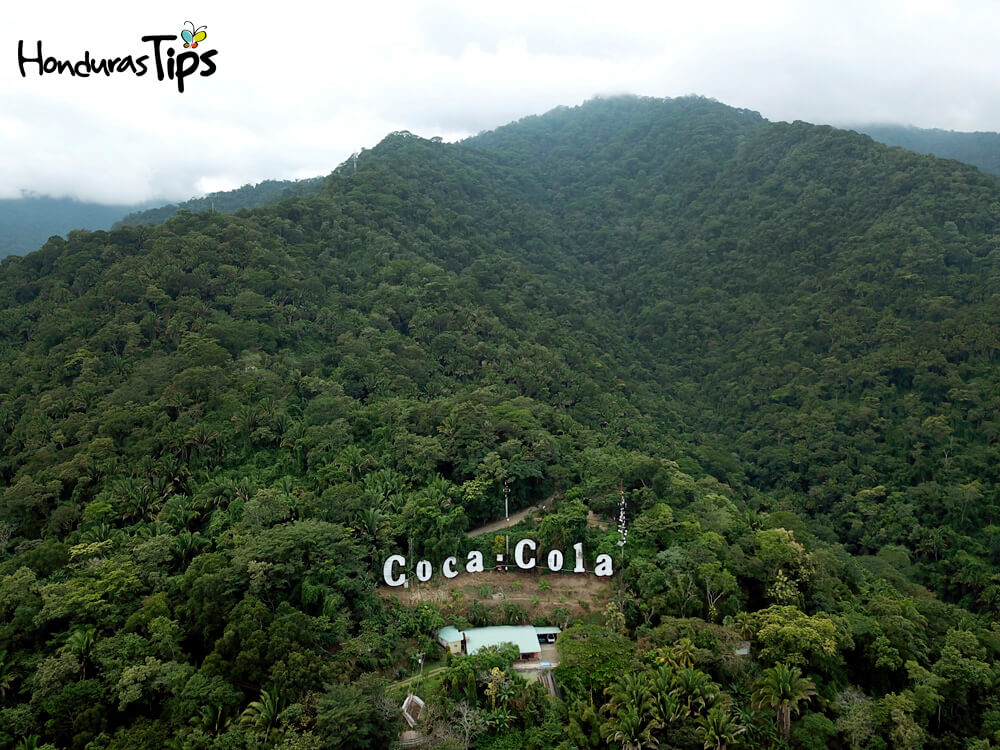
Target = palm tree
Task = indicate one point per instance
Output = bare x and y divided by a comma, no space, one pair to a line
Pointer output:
757,734
100,533
682,653
499,718
630,690
782,688
155,528
221,490
262,714
292,439
127,495
79,643
695,690
719,729
664,678
373,523
245,487
384,487
355,461
215,719
246,419
204,438
187,544
6,673
628,730
744,624
664,708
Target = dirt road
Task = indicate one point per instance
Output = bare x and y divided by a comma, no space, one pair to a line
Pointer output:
503,523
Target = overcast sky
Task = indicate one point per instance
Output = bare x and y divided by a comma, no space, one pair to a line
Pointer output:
300,86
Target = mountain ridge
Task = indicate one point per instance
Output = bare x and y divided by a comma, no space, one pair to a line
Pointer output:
979,148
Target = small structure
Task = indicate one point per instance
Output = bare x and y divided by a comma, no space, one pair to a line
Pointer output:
410,738
450,639
522,636
527,638
547,634
546,679
412,707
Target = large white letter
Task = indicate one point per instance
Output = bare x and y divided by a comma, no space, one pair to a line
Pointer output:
578,548
519,554
555,560
424,570
387,571
449,568
603,566
474,562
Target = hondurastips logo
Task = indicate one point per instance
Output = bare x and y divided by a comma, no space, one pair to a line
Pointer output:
169,64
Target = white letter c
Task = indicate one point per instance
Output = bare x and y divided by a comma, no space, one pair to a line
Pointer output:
387,571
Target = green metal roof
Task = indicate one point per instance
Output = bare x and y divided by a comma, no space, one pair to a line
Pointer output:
522,636
548,630
450,634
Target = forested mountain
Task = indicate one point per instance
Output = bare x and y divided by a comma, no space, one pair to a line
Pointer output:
26,223
225,201
979,149
775,338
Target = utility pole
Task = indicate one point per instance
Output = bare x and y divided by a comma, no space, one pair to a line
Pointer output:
622,524
506,512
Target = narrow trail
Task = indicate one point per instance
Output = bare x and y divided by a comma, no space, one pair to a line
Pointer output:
408,680
504,523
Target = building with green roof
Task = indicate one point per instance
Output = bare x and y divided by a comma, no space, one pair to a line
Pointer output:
522,636
527,638
450,638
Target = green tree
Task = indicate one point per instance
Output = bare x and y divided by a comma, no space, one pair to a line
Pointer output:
7,673
80,643
591,657
627,730
262,714
782,689
349,716
719,729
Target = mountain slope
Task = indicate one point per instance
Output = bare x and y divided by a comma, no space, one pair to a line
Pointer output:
799,275
981,149
25,223
224,201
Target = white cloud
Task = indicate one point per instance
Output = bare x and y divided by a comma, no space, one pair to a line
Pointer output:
301,86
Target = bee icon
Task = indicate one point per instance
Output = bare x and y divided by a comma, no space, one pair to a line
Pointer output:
193,35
